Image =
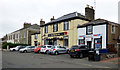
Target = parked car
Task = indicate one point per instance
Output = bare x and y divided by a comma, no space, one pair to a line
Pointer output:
17,48
58,50
79,51
45,48
27,49
37,49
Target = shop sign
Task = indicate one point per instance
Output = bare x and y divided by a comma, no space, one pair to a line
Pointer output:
57,34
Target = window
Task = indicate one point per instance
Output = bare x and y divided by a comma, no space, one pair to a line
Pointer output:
55,27
21,35
35,36
98,43
81,42
46,42
46,29
24,35
112,28
89,29
66,25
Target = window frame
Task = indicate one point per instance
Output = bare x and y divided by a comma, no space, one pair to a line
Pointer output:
88,30
66,24
46,29
55,27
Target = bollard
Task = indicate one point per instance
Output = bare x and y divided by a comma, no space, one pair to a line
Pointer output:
7,47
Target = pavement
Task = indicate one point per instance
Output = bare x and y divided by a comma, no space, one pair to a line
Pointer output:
115,60
32,60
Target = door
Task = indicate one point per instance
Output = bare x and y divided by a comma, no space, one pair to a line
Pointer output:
35,43
89,43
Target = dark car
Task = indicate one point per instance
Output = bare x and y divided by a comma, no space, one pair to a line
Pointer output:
79,51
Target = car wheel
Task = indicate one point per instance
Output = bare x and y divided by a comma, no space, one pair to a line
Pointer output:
25,51
81,55
56,53
13,49
46,52
71,56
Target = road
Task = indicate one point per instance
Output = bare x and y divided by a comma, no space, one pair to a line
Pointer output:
32,60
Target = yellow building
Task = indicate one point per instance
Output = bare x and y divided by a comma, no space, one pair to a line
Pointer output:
62,31
35,39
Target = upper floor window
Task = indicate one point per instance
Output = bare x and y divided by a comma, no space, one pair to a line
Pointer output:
46,29
66,25
112,28
35,36
24,35
55,27
89,29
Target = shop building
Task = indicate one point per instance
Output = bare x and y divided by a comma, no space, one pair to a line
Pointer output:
63,30
99,33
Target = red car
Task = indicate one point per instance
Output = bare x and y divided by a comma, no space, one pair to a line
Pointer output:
37,50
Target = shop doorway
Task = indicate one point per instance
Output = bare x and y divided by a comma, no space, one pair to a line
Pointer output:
89,43
50,42
35,43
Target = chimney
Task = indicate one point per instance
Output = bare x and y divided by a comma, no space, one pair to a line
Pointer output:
89,12
26,24
42,22
52,18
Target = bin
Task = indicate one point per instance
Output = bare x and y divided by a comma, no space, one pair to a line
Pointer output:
91,56
96,57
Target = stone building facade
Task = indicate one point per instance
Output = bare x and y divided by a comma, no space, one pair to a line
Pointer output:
23,35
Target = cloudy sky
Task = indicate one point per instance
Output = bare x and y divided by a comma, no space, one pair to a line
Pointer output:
13,13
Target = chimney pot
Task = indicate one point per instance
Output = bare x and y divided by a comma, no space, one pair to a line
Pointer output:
52,18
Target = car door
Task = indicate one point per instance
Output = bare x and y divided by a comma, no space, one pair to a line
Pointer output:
32,48
61,49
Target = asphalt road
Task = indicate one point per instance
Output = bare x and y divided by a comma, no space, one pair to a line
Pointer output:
32,60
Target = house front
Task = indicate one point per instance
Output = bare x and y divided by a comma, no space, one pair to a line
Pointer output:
99,34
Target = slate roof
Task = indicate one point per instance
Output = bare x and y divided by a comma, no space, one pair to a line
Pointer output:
67,17
34,26
97,22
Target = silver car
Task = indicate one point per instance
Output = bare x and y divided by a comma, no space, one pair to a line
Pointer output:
58,49
27,49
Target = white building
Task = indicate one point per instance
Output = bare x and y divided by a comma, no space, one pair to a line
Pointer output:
99,33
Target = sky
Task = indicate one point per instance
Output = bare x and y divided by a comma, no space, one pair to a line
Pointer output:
13,13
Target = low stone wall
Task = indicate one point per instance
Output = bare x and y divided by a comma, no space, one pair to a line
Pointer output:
108,56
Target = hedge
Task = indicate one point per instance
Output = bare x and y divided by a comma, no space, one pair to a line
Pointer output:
11,45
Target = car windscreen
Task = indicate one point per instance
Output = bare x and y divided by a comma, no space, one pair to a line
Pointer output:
74,47
41,46
83,46
53,47
49,46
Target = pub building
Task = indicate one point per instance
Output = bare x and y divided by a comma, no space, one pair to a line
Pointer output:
99,34
63,30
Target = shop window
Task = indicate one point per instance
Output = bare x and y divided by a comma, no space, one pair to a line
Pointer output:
46,42
46,29
112,28
55,42
89,29
66,25
55,27
35,36
81,42
98,43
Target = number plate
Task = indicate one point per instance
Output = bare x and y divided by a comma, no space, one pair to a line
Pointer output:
72,50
